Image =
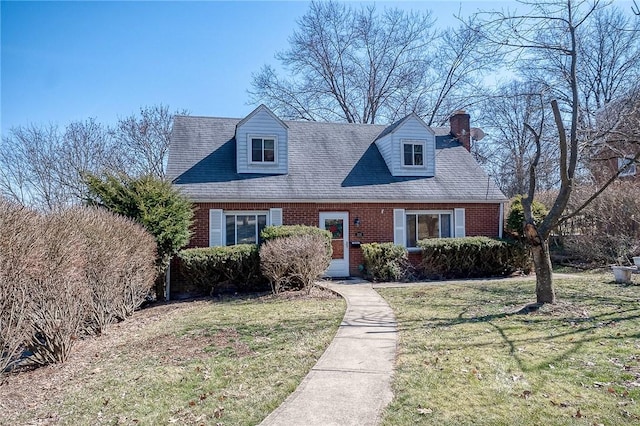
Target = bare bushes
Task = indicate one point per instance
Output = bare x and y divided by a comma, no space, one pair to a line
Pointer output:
59,294
119,268
65,274
295,261
608,229
17,241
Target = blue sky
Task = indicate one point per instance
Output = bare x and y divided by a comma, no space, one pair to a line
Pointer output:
66,61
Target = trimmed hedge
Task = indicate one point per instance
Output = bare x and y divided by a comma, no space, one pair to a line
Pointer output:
385,261
473,257
283,231
212,268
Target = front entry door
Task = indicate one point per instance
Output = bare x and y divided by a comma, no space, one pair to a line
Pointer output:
338,224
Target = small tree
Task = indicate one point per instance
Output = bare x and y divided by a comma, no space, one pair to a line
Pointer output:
153,203
516,220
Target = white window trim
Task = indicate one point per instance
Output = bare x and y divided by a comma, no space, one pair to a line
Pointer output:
421,142
432,212
250,150
226,213
631,167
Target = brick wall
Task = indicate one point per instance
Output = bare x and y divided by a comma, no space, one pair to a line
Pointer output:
376,220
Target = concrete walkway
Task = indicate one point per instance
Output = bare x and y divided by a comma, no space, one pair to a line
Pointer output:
351,383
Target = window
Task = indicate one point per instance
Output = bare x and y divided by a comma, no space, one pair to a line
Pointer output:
263,149
421,225
413,153
244,227
628,165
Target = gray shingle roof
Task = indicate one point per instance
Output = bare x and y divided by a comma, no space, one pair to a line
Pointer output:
327,162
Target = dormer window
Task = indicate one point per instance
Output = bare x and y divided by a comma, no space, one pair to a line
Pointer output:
628,167
413,153
263,149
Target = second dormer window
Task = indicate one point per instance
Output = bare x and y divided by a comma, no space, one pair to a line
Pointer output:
413,153
263,149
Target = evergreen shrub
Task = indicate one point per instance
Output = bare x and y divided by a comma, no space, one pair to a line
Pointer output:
473,257
212,269
385,261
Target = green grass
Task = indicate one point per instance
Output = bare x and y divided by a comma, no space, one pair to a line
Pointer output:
466,358
202,363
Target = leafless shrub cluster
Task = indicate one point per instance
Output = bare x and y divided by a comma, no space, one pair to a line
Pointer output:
295,261
608,229
119,268
17,241
59,294
66,274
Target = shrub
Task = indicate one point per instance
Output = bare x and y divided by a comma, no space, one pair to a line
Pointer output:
58,290
119,264
473,257
64,272
515,218
385,261
283,231
608,229
294,261
153,203
18,254
209,267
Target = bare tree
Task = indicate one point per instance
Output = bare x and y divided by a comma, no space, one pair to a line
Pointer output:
145,138
550,33
509,148
42,166
609,61
28,164
362,66
85,147
45,167
456,73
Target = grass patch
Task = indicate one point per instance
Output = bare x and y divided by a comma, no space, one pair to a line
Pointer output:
467,357
201,362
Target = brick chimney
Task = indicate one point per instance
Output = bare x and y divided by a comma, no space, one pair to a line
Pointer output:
460,128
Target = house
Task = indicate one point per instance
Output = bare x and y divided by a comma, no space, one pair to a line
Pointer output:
365,183
608,162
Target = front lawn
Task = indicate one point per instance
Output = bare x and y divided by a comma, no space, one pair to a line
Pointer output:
467,357
199,362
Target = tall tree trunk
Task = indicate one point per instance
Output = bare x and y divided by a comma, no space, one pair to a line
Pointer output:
544,278
541,262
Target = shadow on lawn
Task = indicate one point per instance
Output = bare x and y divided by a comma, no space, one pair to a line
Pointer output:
567,326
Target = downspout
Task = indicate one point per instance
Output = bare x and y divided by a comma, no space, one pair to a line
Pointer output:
167,284
501,223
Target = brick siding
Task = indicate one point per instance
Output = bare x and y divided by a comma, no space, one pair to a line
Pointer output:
376,220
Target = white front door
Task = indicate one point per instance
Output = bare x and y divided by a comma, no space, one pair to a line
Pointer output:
338,224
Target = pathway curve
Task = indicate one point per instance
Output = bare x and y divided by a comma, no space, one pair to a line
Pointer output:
351,383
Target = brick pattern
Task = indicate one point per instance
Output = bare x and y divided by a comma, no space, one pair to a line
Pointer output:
376,220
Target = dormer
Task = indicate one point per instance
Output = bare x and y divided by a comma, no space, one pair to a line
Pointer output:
262,141
408,146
